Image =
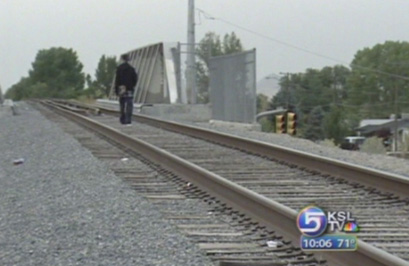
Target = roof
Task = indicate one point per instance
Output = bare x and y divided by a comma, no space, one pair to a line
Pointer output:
366,122
390,125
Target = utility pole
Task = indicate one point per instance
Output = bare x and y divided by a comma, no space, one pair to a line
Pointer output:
334,87
288,91
395,147
190,62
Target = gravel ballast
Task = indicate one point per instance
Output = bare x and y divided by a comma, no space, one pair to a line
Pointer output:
375,161
62,206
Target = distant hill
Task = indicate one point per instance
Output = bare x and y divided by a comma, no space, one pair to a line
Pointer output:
268,86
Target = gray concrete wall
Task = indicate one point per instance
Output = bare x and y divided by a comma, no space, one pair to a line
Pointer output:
179,112
176,112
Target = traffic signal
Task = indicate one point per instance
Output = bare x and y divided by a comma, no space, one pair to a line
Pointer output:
291,123
280,124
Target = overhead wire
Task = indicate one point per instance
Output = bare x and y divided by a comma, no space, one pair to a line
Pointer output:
208,16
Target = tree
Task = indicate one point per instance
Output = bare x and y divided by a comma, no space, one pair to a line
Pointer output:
302,92
208,47
105,74
56,72
372,91
38,90
20,90
335,125
314,127
231,44
1,96
262,103
202,82
60,70
286,96
335,79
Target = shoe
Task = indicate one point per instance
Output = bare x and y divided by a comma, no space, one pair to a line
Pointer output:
128,125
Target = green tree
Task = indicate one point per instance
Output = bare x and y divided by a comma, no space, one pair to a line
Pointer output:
231,44
202,82
91,89
56,72
314,127
267,124
335,80
372,92
262,103
60,69
105,74
20,90
38,90
1,96
335,125
286,96
302,92
208,47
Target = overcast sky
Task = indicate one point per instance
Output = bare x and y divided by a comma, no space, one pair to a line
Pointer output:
329,28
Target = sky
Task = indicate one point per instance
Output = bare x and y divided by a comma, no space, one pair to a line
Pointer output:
289,35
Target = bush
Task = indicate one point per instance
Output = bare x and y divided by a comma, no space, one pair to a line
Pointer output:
328,143
404,146
266,125
373,145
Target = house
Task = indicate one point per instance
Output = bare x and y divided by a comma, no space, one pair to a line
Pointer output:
385,129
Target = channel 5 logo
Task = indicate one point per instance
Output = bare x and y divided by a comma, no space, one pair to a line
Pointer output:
313,221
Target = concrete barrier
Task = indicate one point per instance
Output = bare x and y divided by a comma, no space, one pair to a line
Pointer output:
176,112
179,112
233,125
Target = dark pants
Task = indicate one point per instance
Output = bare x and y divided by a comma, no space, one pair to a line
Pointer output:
126,108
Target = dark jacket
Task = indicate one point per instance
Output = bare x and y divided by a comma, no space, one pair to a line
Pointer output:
125,75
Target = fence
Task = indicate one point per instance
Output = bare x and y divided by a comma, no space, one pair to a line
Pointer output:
233,87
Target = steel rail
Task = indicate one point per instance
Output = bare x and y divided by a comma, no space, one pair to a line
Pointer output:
82,107
266,211
381,180
67,107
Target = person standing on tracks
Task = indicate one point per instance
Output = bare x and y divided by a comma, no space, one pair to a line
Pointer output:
125,81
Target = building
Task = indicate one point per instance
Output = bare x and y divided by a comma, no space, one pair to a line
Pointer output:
386,128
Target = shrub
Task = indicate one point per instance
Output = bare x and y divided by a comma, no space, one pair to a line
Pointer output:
328,143
373,145
404,146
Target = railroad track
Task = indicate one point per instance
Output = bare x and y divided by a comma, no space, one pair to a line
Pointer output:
225,235
265,181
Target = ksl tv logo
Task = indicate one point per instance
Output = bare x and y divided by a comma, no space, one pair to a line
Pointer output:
313,221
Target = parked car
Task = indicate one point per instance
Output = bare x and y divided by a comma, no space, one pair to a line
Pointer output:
352,143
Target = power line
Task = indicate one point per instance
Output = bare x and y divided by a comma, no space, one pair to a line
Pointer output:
208,16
